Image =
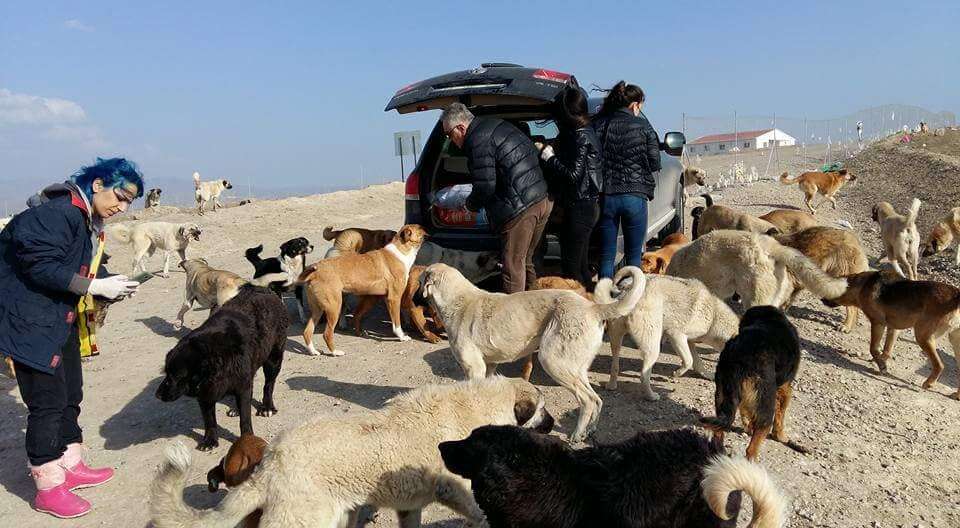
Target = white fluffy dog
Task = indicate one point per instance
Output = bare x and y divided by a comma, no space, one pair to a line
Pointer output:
209,191
147,237
901,240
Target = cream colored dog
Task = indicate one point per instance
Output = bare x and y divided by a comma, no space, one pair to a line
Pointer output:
208,287
754,266
209,191
790,220
147,237
716,217
683,310
901,240
486,329
318,474
943,234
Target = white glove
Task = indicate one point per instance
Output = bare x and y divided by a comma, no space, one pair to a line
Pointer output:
546,153
113,287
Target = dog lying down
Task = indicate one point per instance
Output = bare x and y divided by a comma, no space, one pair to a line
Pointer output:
319,473
655,479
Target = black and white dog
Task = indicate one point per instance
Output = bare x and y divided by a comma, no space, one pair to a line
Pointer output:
279,273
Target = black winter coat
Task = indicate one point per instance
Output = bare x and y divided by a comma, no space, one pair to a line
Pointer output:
505,166
578,165
631,153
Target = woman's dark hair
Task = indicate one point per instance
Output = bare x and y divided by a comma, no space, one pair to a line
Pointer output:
572,110
620,96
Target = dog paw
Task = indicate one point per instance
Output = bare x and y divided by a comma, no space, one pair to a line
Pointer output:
611,385
313,351
336,353
432,338
403,338
233,413
266,413
207,444
165,275
177,325
679,372
651,396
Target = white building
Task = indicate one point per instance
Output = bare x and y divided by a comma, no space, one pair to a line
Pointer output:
746,140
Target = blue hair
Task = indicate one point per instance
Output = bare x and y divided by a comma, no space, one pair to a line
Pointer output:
114,173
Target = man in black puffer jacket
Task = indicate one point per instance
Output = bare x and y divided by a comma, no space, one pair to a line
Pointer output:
508,183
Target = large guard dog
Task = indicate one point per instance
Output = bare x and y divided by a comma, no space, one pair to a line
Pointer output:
319,473
221,357
209,191
147,237
683,311
790,220
209,287
901,240
486,329
825,183
943,234
715,217
655,479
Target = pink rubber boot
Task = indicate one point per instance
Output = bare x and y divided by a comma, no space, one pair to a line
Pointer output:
78,475
53,496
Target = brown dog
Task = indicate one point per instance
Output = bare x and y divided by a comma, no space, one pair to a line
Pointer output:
943,234
893,303
235,468
416,312
381,273
715,217
825,183
790,220
357,240
656,262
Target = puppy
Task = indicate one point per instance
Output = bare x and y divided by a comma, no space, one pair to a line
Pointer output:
901,240
656,262
208,287
381,273
943,234
318,473
715,217
836,251
234,469
789,220
755,375
221,357
209,191
486,329
147,237
692,176
153,198
655,479
892,303
825,183
683,311
357,240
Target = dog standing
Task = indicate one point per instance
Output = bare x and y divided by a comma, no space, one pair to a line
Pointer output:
147,237
281,272
825,183
943,234
209,191
755,376
901,240
208,287
356,240
790,220
153,198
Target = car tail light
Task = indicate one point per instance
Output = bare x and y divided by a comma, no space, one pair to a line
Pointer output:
412,189
407,88
550,75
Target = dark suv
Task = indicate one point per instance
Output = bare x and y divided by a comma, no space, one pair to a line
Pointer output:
522,96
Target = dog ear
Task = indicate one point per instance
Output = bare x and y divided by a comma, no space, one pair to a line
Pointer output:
524,410
661,266
460,457
215,477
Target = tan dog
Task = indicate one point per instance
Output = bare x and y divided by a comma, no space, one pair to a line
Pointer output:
692,176
943,234
147,237
416,312
209,191
656,262
837,251
901,240
553,282
381,273
714,217
357,240
790,220
234,469
208,287
825,183
892,303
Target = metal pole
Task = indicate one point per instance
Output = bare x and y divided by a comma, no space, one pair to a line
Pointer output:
735,136
402,172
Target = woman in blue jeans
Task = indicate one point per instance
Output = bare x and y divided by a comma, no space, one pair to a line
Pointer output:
631,155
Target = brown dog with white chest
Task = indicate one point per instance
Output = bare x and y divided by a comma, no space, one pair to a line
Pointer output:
656,262
825,183
356,240
235,468
408,305
381,273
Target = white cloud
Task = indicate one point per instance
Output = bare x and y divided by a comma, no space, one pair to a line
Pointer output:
78,25
35,120
23,109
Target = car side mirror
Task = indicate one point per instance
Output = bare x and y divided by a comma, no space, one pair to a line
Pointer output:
673,143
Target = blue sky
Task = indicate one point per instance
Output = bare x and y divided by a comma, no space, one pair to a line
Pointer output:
291,94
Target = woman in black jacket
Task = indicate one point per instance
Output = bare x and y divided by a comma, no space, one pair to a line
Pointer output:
576,167
631,155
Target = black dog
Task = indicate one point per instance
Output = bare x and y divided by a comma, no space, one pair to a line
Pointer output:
755,374
522,479
222,356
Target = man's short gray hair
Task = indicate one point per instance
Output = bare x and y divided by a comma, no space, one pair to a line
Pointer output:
455,114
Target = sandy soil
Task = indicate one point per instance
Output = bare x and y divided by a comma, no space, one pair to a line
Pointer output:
884,451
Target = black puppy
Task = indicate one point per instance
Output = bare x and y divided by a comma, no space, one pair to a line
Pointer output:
755,374
221,357
522,479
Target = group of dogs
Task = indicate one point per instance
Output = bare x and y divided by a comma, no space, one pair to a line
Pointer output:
204,192
424,445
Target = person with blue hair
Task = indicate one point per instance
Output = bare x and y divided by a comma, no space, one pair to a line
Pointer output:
49,274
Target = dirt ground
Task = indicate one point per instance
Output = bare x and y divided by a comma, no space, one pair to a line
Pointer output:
884,452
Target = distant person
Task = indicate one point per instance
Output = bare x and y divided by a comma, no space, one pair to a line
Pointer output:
860,131
631,155
49,265
576,164
507,183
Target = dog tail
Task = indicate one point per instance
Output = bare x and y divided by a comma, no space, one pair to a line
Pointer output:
708,199
810,275
627,300
253,254
121,233
914,211
785,179
168,510
724,475
329,233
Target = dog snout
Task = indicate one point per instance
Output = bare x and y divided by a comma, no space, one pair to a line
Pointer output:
546,424
167,392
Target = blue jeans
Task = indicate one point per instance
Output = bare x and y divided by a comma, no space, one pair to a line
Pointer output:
629,211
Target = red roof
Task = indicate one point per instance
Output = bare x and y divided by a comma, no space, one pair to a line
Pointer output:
716,138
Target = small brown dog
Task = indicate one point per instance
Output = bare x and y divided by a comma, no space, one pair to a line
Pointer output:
943,234
235,468
656,262
790,220
416,312
893,303
357,240
825,183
